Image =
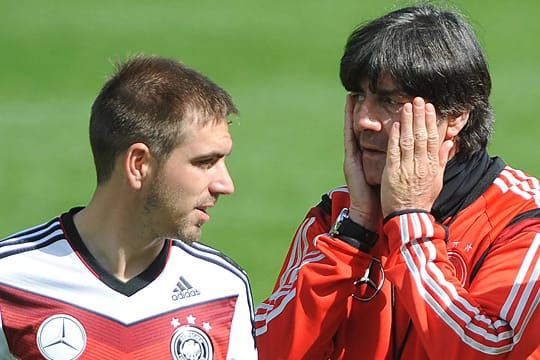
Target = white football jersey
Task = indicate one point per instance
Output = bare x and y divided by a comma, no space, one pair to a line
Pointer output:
58,303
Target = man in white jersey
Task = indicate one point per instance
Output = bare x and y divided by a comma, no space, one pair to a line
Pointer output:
124,277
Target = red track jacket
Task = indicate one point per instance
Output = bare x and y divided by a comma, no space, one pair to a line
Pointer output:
466,288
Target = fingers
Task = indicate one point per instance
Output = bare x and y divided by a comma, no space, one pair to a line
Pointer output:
444,152
406,140
394,152
415,161
432,130
421,116
419,137
365,205
348,126
351,144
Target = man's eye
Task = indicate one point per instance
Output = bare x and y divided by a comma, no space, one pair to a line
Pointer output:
390,101
358,97
206,163
392,105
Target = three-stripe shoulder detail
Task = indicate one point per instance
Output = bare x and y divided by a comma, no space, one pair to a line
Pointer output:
33,238
214,256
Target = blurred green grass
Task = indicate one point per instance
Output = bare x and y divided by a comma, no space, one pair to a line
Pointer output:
279,60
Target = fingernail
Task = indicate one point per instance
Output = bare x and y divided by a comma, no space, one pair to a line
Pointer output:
407,107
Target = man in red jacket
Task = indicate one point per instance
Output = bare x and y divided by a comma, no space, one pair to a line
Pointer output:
431,250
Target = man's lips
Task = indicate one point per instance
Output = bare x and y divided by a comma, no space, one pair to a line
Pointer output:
203,211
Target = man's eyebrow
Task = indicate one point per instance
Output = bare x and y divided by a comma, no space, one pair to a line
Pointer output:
392,92
214,154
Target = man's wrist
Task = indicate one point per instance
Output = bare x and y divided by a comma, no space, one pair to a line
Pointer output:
353,233
369,220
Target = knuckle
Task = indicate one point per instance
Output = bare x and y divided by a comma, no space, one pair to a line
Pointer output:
407,142
393,153
421,172
420,135
433,137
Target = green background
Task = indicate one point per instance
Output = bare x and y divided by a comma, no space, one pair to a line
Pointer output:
278,59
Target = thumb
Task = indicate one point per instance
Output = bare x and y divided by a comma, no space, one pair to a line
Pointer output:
444,152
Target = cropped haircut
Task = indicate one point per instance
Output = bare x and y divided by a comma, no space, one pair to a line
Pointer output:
429,52
151,100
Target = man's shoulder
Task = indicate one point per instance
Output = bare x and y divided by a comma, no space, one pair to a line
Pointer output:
34,237
338,192
334,200
515,175
204,254
513,196
518,184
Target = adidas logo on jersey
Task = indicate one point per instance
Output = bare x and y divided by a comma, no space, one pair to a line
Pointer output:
184,290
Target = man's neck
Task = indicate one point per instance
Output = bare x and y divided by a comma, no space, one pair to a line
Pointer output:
113,240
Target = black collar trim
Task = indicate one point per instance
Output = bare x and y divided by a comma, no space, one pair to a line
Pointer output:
128,288
466,178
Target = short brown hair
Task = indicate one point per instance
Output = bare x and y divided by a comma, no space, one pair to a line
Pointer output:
149,99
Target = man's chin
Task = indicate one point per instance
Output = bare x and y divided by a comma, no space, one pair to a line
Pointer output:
191,235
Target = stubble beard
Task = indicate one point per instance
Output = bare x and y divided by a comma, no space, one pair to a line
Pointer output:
156,203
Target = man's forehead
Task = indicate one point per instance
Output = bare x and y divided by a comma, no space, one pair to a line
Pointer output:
193,125
386,84
207,134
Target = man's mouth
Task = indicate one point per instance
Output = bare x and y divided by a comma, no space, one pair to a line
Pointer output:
203,211
205,207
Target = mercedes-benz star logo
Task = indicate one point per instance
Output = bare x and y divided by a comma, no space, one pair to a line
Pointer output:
61,337
371,283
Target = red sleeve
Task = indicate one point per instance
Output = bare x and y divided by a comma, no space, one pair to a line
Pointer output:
300,318
495,316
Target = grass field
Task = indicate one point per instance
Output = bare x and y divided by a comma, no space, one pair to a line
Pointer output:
278,59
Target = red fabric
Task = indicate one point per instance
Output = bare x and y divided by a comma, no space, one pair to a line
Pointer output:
107,338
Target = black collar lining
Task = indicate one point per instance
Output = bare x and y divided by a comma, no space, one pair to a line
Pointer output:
126,288
466,178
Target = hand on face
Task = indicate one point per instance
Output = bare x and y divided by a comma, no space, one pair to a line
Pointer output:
365,206
415,161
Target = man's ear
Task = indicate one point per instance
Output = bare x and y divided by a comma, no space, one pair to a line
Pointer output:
137,164
456,124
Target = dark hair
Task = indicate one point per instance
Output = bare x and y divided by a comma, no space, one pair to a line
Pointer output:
150,99
429,52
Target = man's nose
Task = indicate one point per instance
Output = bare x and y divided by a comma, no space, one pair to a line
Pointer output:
367,115
223,182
